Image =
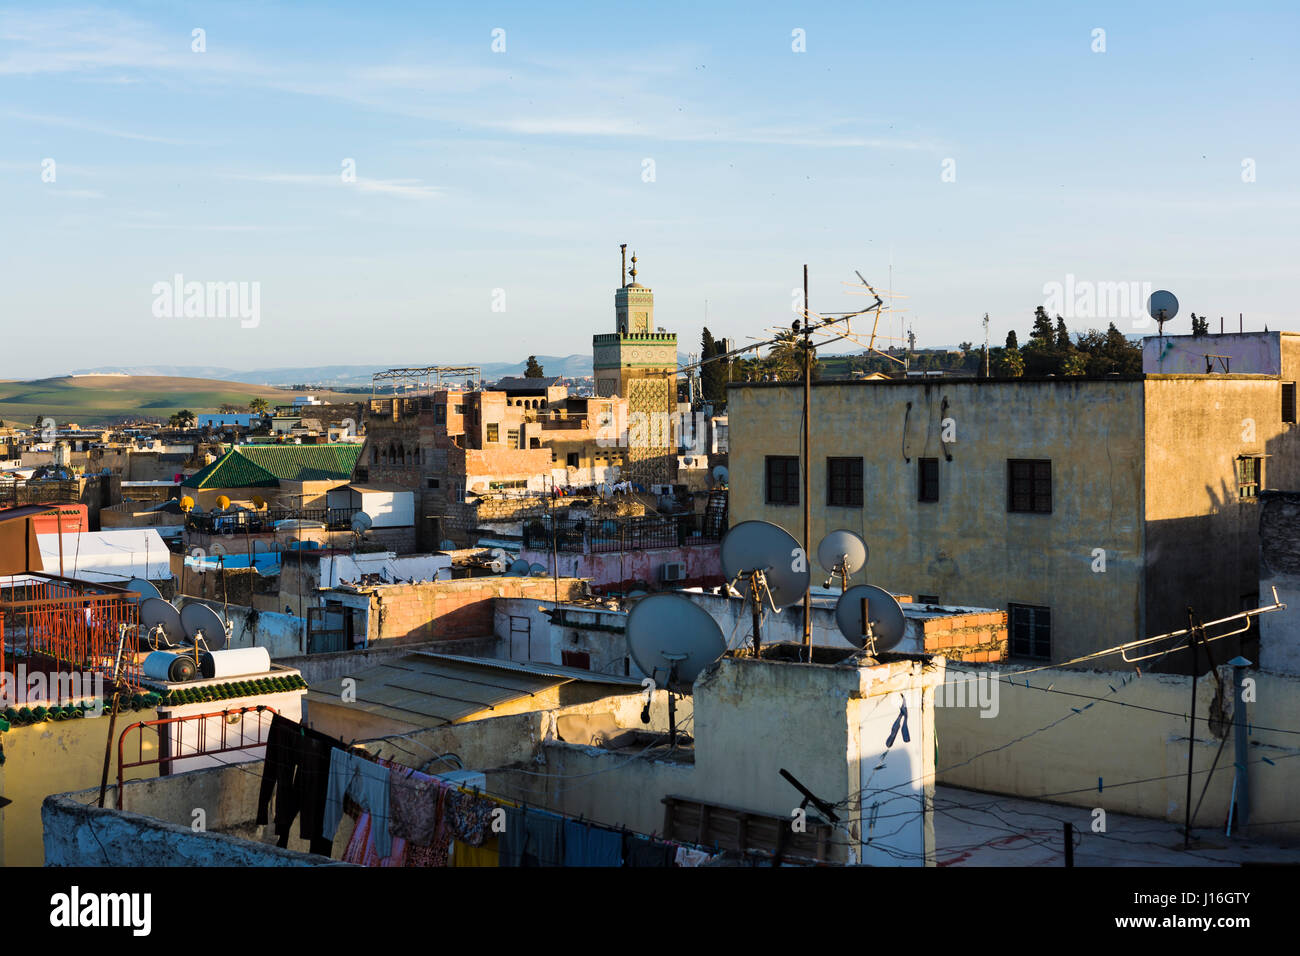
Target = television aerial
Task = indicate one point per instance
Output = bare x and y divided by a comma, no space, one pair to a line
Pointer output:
842,553
870,617
672,639
1162,306
768,565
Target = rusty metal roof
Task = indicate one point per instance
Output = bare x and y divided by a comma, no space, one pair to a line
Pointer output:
541,669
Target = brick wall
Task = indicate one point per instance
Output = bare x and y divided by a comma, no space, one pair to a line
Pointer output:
976,638
457,609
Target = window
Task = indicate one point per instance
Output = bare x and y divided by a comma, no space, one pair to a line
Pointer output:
512,438
571,459
927,599
458,409
1288,402
927,479
1029,486
440,414
431,482
576,659
1248,478
844,482
782,480
1031,631
494,432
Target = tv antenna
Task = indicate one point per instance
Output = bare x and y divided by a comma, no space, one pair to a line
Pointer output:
769,564
672,640
870,618
842,554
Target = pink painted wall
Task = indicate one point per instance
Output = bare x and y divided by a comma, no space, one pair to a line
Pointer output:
624,570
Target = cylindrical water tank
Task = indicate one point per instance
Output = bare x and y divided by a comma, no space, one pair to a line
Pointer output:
176,668
237,662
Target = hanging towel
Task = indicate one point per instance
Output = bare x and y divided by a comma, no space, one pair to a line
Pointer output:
532,838
367,783
585,845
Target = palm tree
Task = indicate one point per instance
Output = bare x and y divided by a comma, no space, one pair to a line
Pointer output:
788,355
181,419
258,405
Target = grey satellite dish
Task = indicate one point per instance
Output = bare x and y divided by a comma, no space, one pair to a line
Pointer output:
673,639
201,623
520,569
145,589
720,474
754,546
1162,306
160,623
842,552
884,612
538,570
361,522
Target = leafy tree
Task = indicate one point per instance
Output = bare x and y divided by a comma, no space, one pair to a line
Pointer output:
533,370
1076,363
713,375
966,346
1012,364
1042,332
258,405
1200,326
182,419
1062,336
1012,341
787,355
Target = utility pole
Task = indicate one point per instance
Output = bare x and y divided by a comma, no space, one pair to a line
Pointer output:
986,345
807,461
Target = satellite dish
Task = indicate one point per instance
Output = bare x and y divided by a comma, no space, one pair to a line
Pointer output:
520,569
720,474
673,639
886,616
842,552
259,503
538,570
1162,306
361,522
760,546
223,502
161,623
187,503
146,590
201,623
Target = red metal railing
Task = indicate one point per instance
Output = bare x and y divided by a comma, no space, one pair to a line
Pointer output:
202,748
57,624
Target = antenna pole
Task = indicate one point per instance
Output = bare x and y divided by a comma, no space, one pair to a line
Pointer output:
1191,733
807,461
986,345
756,597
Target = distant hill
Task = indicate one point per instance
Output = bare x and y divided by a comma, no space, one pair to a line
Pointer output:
337,376
102,399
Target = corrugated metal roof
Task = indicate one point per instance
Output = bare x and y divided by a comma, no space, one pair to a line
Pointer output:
430,690
540,669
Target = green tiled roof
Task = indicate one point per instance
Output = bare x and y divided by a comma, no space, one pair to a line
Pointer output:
265,466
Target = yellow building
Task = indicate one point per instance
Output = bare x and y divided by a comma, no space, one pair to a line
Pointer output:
1094,511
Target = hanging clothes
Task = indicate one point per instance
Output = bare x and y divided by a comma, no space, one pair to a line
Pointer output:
585,845
689,857
638,851
427,843
487,854
415,802
469,816
367,783
296,770
532,838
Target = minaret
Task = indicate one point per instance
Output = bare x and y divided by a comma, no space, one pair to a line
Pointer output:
634,307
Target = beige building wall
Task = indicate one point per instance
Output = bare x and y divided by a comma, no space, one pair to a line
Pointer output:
967,548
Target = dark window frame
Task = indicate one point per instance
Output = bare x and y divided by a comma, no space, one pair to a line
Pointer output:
927,479
1029,486
844,482
781,480
1250,477
573,459
1288,403
1026,625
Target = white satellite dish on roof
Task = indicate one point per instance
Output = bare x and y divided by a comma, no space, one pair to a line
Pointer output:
361,522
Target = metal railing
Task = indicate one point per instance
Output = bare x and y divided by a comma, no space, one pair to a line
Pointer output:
201,748
263,522
601,535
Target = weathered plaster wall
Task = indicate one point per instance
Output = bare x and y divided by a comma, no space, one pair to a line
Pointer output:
967,548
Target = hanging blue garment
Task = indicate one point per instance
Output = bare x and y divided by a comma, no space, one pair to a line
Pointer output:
585,845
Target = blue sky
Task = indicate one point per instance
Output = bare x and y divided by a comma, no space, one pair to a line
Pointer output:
522,170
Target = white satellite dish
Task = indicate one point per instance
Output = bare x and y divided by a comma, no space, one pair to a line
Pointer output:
769,566
842,553
672,640
1162,306
361,522
720,474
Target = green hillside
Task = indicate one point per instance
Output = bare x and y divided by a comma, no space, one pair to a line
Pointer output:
103,399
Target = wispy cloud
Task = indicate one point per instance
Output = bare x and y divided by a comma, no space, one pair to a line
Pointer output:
86,126
401,188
